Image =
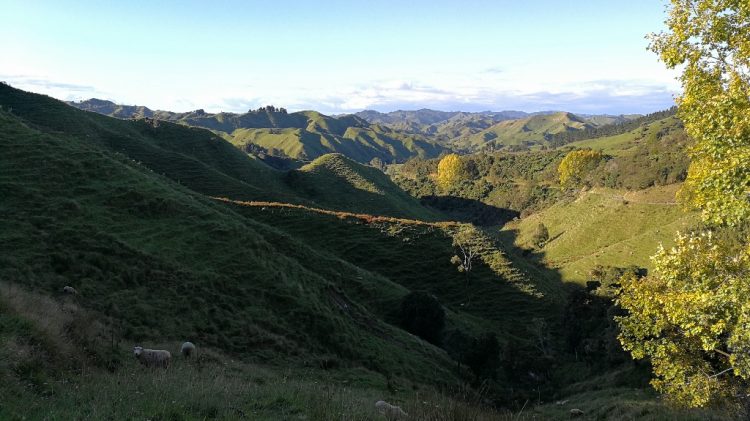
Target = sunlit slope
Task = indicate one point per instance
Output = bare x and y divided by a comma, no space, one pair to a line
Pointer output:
361,144
206,163
303,135
527,131
623,143
340,183
605,227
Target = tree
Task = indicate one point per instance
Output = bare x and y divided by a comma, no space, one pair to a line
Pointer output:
483,356
469,244
451,171
540,235
691,316
576,164
422,315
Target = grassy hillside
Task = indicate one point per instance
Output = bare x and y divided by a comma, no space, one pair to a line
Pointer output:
136,244
340,183
621,144
204,162
605,227
523,132
363,144
156,261
303,135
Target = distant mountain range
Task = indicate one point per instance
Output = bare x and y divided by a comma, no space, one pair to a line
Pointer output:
303,135
369,135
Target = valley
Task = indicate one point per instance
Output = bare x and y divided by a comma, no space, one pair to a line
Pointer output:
294,280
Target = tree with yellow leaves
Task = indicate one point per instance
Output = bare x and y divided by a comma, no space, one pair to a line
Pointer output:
691,316
451,171
576,164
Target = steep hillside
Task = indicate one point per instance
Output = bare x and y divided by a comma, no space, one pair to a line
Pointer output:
363,144
135,244
526,132
303,135
340,183
199,159
603,227
277,284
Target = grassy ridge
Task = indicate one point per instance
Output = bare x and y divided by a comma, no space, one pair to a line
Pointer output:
137,244
528,131
205,163
303,135
340,183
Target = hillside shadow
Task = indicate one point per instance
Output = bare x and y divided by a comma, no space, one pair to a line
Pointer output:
470,210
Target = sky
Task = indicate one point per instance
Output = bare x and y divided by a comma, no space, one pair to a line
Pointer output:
583,56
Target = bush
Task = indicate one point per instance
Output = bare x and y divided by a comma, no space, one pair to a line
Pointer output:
483,356
422,315
540,236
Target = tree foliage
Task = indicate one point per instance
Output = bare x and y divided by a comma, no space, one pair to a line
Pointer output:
577,164
470,244
540,235
451,170
422,315
691,317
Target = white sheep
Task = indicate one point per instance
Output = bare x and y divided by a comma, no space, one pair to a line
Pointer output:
67,289
391,412
152,357
187,349
575,412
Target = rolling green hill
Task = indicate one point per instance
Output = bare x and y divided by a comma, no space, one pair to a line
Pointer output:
622,144
295,304
528,131
119,210
303,135
604,227
206,163
340,183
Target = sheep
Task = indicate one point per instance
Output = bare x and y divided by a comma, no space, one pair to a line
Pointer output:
391,412
575,413
67,289
152,357
187,349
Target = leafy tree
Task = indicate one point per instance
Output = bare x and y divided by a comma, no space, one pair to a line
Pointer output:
450,171
483,356
577,164
540,235
691,317
469,244
422,315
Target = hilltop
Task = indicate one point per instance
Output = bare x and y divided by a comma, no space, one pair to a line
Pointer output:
303,135
202,160
526,132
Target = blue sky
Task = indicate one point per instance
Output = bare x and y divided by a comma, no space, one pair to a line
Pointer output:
341,56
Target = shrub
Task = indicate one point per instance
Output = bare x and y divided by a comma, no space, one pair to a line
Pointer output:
422,315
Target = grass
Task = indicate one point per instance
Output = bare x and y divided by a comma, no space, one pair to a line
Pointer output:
323,135
604,226
46,376
622,144
294,306
135,244
529,130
